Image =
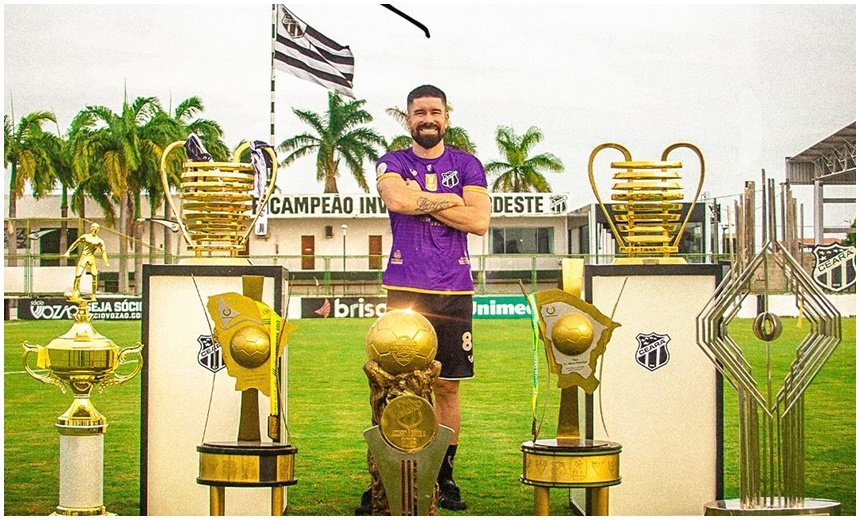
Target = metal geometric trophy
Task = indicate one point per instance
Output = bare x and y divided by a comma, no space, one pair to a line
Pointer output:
648,205
771,419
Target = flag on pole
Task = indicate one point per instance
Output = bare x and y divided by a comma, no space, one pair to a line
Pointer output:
303,51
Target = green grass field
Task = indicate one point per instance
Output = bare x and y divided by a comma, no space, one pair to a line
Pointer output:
328,403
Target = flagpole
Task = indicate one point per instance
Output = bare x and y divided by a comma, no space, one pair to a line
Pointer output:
272,83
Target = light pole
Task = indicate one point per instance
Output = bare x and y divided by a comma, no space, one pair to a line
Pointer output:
343,228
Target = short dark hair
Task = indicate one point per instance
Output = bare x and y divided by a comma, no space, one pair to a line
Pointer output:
426,91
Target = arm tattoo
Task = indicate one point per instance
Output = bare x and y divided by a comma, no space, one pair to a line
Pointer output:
424,204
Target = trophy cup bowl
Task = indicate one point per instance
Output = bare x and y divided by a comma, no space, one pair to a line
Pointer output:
216,214
647,208
82,359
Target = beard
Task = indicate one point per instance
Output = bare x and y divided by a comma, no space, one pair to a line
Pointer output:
428,140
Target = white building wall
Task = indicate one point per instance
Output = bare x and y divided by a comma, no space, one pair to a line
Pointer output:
286,231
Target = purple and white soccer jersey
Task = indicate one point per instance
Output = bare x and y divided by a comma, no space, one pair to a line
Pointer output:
426,254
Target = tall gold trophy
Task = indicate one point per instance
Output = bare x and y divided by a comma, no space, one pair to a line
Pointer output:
406,445
253,339
216,213
646,210
80,360
575,335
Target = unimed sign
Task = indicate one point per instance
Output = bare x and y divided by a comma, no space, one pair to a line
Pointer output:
497,307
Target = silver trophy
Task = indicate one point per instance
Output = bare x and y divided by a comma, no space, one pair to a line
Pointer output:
770,415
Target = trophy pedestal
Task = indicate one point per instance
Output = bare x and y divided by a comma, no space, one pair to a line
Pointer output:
178,381
660,397
590,464
809,507
81,473
246,464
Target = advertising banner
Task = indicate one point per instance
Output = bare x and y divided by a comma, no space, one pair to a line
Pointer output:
483,307
125,308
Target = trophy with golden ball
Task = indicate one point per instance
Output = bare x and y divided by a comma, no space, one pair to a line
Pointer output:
647,205
254,339
406,445
81,360
216,213
574,334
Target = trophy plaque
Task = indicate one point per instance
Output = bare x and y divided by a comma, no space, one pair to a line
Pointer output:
253,339
80,360
406,445
216,212
770,417
574,334
645,216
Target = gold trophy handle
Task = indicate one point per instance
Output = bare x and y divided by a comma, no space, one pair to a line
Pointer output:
627,157
113,378
48,378
261,205
698,152
166,186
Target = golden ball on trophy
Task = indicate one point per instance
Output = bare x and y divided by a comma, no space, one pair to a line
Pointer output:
572,334
250,346
401,341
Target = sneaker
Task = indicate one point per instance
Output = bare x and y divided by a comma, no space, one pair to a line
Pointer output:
449,496
365,509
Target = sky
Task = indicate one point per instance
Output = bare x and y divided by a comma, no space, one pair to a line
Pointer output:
749,85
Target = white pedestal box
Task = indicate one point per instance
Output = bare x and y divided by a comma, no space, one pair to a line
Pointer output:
178,383
661,396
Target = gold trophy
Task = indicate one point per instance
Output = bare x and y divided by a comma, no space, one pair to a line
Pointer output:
406,445
216,215
254,339
575,335
82,359
647,205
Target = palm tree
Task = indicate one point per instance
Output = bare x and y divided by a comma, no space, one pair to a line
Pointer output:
455,136
338,138
125,155
71,161
26,150
521,173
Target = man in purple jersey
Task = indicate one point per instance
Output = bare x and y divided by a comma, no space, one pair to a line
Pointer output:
435,196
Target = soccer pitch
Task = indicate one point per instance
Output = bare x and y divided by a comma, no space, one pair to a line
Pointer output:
328,410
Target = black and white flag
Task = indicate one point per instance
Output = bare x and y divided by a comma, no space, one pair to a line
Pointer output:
303,51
